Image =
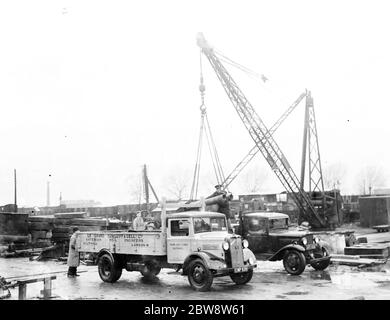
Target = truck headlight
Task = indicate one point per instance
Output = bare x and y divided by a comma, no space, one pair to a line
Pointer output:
252,260
304,241
225,245
316,240
245,243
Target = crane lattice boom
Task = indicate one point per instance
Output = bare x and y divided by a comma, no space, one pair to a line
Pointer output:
260,134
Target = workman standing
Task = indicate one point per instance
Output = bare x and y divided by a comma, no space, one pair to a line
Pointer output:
218,191
138,223
223,206
73,255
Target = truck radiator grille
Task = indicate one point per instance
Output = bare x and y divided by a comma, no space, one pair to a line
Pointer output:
309,238
237,258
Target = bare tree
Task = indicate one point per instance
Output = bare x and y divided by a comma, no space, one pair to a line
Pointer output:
254,178
135,188
369,178
177,184
333,174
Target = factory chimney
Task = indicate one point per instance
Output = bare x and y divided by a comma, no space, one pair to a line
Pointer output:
15,201
48,194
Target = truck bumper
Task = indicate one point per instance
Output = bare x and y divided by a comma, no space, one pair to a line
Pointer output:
227,271
313,260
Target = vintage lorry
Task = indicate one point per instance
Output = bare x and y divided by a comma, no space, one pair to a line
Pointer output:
271,238
196,242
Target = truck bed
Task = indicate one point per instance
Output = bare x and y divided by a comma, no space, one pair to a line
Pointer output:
123,242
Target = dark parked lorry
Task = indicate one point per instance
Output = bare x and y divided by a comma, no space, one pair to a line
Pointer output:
271,238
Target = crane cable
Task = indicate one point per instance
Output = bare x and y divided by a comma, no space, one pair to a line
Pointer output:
244,69
195,181
252,74
205,127
214,154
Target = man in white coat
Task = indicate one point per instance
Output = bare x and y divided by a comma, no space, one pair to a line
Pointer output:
138,223
73,255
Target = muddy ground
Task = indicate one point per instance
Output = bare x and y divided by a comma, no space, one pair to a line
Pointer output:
270,281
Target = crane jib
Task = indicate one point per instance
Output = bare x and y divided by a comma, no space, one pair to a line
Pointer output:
260,134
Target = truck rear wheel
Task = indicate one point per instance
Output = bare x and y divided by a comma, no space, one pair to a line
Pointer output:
242,278
109,270
294,262
199,276
151,269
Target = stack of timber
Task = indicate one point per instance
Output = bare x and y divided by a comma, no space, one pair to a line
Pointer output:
63,225
60,225
40,229
355,260
22,235
371,251
13,229
382,228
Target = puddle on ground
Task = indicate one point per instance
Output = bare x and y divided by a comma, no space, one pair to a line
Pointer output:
320,275
319,285
384,284
296,293
150,280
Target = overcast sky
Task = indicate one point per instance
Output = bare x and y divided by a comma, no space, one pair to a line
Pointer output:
91,90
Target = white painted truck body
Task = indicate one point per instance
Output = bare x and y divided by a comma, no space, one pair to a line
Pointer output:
182,243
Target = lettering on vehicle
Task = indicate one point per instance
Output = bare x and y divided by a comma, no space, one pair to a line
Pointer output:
131,239
210,247
178,246
92,239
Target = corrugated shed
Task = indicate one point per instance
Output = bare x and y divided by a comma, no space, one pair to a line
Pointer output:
374,210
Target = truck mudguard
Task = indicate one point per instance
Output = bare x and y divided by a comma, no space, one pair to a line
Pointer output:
211,261
249,256
103,251
279,255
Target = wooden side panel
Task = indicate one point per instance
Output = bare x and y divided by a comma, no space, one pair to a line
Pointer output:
137,243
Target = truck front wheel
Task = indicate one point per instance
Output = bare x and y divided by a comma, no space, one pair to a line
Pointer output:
242,278
199,276
294,262
108,268
321,265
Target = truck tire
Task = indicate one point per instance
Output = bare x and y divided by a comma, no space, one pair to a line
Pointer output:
109,270
294,262
321,265
242,278
199,276
151,269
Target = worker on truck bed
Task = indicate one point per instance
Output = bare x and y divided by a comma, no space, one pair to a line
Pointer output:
73,255
218,191
138,223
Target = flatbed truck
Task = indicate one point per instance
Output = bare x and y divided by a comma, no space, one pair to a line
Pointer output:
196,242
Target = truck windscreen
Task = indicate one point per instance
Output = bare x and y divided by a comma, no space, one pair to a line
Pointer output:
209,224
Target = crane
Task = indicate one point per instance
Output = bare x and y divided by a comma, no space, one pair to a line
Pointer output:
260,135
326,202
249,156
